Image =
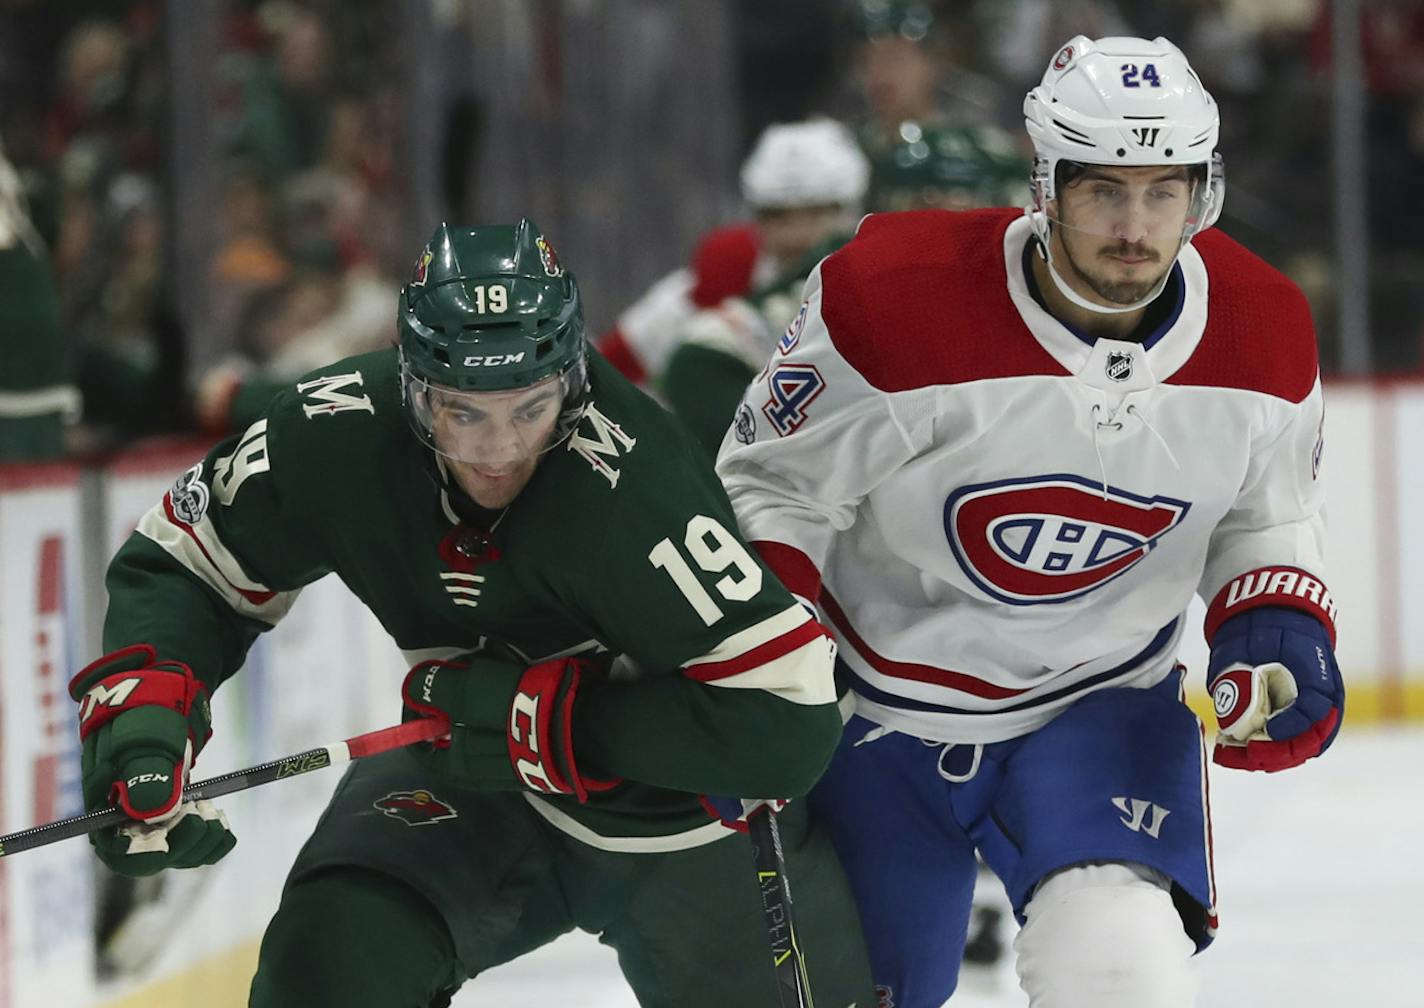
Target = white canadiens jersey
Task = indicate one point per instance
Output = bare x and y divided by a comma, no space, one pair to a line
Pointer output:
996,514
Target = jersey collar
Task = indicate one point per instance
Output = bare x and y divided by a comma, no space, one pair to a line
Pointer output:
1162,353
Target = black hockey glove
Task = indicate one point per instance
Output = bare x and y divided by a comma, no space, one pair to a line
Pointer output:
509,725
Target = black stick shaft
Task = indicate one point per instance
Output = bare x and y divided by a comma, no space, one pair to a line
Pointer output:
787,959
238,780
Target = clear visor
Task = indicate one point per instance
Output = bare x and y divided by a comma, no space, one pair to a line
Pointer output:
1145,210
494,431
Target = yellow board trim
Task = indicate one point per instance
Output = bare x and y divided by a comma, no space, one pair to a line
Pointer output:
1365,703
221,981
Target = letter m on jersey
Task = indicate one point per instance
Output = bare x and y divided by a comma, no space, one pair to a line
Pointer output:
1052,538
604,438
325,395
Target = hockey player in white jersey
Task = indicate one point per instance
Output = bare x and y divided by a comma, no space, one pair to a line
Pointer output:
1000,451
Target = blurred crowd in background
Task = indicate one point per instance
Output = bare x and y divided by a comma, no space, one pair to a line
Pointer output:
326,170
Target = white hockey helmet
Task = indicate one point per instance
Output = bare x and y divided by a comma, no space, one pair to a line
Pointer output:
1123,102
809,163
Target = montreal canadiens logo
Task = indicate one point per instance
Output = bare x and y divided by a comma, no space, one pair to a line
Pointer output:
1052,538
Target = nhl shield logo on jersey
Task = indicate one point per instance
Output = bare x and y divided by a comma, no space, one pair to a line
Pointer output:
1119,366
415,808
1052,538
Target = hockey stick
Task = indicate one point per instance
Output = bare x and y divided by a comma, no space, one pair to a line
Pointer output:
792,985
356,747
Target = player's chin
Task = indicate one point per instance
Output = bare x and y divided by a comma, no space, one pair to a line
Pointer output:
491,488
1126,290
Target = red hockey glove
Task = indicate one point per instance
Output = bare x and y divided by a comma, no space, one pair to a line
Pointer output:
508,724
142,722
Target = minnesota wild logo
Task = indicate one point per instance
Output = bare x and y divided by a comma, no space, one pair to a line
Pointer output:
415,808
548,257
422,267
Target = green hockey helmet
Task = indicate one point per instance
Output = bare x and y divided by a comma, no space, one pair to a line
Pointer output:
957,168
913,20
490,309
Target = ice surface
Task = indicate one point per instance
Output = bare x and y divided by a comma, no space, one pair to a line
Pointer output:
1320,886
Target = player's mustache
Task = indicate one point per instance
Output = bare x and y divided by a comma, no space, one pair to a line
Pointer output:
1131,252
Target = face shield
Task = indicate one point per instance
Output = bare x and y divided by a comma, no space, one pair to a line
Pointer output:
1130,222
1155,202
497,432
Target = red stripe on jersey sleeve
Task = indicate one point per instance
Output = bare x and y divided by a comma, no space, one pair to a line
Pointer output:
773,649
792,568
256,598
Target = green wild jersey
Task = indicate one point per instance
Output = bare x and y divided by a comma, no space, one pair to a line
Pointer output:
37,397
622,542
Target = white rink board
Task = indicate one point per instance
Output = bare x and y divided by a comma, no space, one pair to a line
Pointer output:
46,895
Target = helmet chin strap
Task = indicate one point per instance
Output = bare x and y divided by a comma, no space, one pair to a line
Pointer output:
1067,291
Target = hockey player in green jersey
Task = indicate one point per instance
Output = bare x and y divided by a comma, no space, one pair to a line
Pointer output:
561,567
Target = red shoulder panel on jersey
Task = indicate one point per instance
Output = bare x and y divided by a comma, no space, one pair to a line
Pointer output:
1259,334
722,264
920,298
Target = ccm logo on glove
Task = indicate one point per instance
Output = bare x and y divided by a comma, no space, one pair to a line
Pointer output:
524,744
501,712
148,778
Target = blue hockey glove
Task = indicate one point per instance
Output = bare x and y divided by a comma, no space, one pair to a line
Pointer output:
1276,688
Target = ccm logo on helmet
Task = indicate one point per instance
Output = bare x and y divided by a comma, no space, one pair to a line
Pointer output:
494,360
1052,538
